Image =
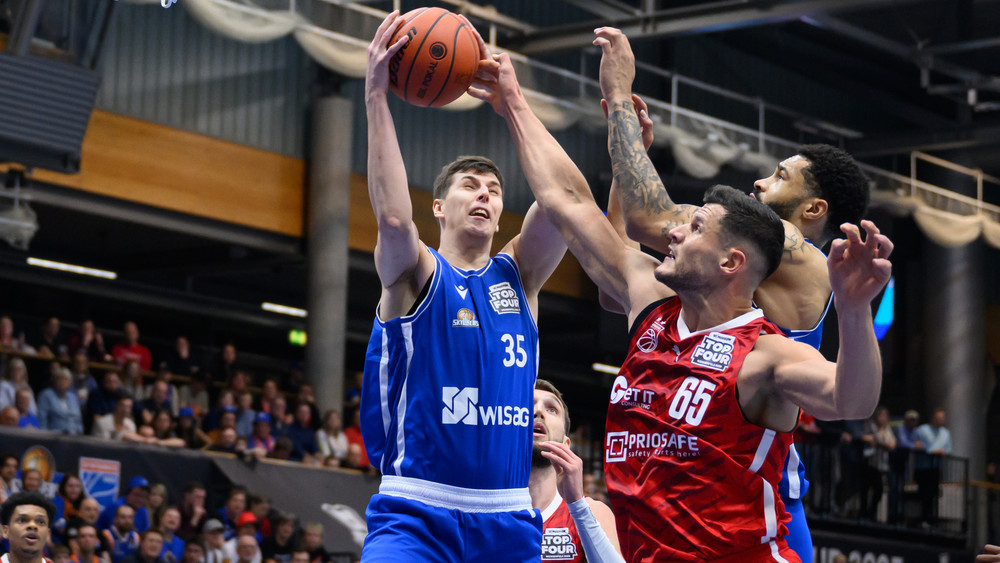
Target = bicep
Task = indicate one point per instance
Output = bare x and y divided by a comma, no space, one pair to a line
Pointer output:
805,378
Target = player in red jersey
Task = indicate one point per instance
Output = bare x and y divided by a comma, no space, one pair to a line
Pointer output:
574,528
704,358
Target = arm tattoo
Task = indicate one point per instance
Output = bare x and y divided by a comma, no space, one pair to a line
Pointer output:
638,183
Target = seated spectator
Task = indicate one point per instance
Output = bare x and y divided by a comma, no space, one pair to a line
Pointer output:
150,547
305,396
194,552
238,383
121,537
8,477
171,397
260,507
116,425
312,541
103,400
261,442
60,553
158,400
9,416
31,480
215,540
330,439
236,504
59,406
83,382
246,526
192,511
228,442
130,350
89,342
302,434
86,547
245,414
355,458
223,367
9,341
247,550
187,430
132,381
226,420
15,379
89,511
194,395
280,419
268,392
284,449
136,496
23,401
225,399
353,433
50,342
67,501
278,548
156,504
178,360
299,556
173,546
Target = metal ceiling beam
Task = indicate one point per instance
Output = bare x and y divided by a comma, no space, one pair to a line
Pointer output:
608,9
965,138
703,18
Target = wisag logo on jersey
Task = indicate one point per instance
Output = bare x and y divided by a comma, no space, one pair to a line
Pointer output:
714,352
461,406
465,318
504,299
557,545
651,338
629,396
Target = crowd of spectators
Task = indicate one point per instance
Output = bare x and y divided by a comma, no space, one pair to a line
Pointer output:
213,405
143,526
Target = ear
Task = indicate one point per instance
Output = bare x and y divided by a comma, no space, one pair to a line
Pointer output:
437,207
566,440
734,261
817,209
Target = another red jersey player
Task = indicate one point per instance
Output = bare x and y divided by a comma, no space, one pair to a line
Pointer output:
574,528
701,422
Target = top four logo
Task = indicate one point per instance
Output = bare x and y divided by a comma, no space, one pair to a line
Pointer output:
649,339
714,352
504,299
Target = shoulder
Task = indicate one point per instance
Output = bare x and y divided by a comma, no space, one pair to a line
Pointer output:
599,508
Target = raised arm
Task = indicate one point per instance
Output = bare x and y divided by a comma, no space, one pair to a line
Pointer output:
848,389
648,210
398,250
563,194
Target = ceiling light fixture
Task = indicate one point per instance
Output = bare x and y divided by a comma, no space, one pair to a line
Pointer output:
72,268
284,309
605,368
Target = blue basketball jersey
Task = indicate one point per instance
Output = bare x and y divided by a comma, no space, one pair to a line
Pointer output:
447,396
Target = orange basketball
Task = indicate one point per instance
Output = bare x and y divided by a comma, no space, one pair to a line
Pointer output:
437,65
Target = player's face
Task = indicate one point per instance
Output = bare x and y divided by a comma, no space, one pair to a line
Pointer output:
473,203
785,191
694,253
28,531
550,421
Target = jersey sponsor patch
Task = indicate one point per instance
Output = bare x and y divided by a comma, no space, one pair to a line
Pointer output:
714,352
504,299
630,397
465,318
461,406
620,446
651,338
557,545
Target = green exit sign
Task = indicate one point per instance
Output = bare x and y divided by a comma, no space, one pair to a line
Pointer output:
297,337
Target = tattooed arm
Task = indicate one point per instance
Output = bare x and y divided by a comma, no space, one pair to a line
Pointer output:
648,210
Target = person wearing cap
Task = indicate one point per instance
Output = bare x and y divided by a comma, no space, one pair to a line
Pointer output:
136,496
261,441
25,518
214,533
246,525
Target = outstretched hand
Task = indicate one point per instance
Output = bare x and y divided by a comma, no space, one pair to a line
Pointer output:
617,63
991,554
380,53
859,269
642,112
569,470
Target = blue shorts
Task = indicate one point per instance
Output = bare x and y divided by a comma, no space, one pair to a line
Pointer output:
401,529
799,538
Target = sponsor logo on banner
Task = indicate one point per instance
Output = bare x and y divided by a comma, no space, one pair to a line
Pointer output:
462,406
714,352
504,299
620,446
630,397
466,318
557,545
100,478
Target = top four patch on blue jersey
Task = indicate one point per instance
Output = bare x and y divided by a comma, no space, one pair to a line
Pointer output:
504,299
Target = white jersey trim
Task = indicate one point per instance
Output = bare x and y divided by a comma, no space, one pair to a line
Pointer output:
552,507
794,483
770,515
407,331
684,332
762,448
774,552
456,498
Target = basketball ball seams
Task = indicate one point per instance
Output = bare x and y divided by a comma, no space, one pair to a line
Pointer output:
407,20
416,55
454,48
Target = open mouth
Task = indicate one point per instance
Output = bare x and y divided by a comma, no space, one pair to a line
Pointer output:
540,430
479,212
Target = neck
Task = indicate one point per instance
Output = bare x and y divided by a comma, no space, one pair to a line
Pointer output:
702,311
542,486
466,253
24,557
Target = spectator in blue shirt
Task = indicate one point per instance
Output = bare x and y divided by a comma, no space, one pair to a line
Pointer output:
173,546
927,468
136,496
26,418
906,435
59,407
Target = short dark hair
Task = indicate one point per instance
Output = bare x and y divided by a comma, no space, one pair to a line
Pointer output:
193,486
31,498
147,531
752,222
477,164
834,175
546,385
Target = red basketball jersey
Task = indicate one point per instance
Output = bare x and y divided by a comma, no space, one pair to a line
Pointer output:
689,478
560,538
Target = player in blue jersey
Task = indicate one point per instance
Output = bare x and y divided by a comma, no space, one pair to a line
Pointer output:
813,192
447,395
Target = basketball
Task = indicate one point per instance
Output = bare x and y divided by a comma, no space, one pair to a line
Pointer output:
437,65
